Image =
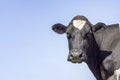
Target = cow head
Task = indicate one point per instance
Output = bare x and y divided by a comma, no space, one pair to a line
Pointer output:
78,33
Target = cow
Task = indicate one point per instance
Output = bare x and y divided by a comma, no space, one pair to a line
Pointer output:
97,45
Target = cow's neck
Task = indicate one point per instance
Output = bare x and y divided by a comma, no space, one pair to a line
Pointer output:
92,58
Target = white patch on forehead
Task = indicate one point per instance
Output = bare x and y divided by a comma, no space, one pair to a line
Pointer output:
117,73
79,23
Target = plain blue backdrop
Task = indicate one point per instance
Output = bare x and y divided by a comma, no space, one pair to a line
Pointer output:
30,50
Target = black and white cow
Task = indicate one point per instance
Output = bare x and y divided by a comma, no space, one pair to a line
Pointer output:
97,45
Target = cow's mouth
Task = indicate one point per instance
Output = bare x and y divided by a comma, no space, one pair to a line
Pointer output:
77,60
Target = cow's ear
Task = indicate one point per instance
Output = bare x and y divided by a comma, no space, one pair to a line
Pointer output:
59,28
99,26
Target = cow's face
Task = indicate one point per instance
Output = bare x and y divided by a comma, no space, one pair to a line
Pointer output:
77,32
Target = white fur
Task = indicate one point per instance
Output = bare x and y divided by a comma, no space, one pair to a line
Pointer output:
117,73
79,23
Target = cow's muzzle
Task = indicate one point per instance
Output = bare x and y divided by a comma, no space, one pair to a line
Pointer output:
76,56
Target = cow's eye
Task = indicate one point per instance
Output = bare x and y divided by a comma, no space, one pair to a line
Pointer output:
68,35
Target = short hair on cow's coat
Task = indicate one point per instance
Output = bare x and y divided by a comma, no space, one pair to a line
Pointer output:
99,48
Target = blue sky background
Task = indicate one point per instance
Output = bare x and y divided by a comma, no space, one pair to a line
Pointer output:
30,50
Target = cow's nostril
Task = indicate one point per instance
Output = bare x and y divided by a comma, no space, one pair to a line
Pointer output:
70,57
80,55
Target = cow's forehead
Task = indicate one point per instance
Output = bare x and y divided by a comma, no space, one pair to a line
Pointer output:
78,23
